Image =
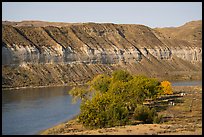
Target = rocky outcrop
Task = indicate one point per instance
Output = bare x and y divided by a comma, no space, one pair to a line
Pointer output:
30,54
89,44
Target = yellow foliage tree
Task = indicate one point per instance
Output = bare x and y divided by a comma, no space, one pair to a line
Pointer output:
167,88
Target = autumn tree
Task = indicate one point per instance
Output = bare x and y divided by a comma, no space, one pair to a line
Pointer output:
167,88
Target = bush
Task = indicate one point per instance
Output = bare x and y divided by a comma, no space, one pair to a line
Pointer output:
147,115
158,119
143,113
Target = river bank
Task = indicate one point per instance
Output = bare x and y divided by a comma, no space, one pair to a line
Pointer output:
36,87
80,84
179,120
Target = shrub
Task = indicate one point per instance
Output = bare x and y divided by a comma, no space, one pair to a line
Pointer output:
145,114
158,119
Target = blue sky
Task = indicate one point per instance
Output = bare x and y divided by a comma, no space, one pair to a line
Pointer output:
152,14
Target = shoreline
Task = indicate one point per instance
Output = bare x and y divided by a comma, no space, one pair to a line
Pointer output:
48,86
158,128
56,125
33,87
76,84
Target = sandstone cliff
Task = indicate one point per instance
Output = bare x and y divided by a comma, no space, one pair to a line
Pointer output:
41,53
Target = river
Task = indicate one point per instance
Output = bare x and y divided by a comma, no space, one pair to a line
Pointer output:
28,111
186,83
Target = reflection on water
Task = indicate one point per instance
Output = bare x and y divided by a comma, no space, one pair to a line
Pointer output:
27,111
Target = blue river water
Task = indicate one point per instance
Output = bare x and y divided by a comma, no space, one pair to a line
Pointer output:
28,111
186,83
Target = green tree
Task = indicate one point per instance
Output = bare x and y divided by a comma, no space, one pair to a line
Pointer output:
103,110
100,82
79,93
114,100
121,75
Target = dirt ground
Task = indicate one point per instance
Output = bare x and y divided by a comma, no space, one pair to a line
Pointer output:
182,115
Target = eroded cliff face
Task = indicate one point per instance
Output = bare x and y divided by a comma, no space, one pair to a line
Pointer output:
136,48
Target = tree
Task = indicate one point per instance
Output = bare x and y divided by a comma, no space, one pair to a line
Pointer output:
79,93
121,75
103,110
113,100
167,88
100,82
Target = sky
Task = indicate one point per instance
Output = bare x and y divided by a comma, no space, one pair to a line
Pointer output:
152,14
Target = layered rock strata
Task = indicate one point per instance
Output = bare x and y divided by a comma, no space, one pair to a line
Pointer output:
79,48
